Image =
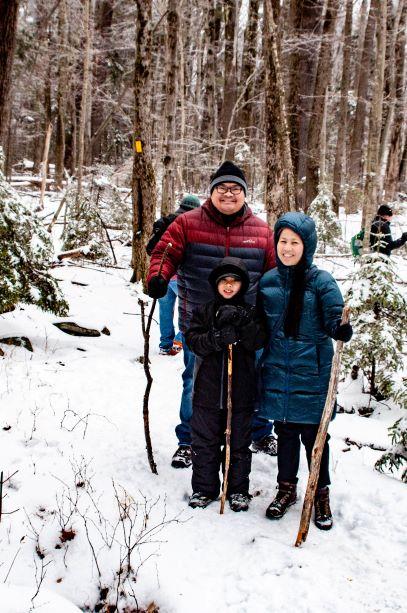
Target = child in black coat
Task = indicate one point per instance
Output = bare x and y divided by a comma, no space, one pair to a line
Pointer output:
227,319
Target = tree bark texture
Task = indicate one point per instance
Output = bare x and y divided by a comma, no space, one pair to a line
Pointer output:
322,83
143,179
172,70
375,122
84,114
8,26
230,75
61,94
340,152
354,178
279,170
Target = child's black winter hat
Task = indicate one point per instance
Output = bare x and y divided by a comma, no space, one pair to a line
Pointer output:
384,210
230,267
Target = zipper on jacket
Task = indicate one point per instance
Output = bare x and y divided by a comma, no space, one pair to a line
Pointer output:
286,351
227,240
222,380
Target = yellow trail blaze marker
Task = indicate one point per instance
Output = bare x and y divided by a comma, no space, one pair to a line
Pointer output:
138,146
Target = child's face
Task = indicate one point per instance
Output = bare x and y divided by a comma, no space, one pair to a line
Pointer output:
229,287
290,247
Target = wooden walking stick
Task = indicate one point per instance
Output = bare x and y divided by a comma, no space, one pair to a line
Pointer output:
320,440
228,430
146,363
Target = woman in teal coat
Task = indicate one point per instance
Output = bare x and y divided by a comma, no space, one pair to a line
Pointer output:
303,307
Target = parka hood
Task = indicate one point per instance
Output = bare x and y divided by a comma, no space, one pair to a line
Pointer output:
302,225
232,266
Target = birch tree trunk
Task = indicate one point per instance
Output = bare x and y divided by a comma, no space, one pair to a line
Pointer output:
279,171
375,123
168,188
322,83
340,157
143,179
8,27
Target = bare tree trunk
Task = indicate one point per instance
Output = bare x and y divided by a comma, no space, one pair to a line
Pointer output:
322,83
61,95
372,166
398,139
249,65
279,171
230,75
143,180
44,166
168,193
8,27
354,178
343,110
84,115
208,123
392,67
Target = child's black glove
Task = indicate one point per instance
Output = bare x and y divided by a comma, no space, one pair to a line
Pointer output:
226,336
232,314
343,332
157,288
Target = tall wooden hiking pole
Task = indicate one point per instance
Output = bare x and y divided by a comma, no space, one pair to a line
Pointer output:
320,440
228,430
146,363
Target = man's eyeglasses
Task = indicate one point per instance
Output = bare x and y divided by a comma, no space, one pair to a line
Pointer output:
235,190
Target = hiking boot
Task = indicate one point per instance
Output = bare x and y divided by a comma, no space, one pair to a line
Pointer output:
177,347
182,458
168,351
199,500
239,502
323,516
267,444
286,496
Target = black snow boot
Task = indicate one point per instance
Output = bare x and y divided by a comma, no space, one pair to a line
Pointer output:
323,516
286,496
182,458
239,502
199,500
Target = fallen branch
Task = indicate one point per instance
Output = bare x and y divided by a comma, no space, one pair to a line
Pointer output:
74,253
359,445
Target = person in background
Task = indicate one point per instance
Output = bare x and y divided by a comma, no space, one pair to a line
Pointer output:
381,240
170,343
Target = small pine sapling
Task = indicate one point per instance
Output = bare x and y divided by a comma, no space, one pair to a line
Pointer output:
396,458
328,226
379,318
25,256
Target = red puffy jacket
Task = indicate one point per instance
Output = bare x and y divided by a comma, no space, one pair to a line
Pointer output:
200,240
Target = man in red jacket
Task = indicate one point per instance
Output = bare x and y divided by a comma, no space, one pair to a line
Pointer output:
223,226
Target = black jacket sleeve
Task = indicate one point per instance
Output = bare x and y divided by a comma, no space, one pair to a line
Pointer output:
381,239
200,336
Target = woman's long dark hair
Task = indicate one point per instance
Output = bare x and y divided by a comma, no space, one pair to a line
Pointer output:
296,300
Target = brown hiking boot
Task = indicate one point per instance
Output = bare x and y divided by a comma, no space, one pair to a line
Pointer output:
286,496
323,516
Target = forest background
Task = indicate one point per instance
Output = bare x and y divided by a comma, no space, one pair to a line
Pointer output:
306,95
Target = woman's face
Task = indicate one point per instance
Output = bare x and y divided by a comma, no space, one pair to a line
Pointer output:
290,247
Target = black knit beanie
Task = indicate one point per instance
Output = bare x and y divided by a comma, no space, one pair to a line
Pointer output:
384,210
228,172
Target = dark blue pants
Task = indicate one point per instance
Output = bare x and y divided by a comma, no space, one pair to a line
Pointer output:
290,436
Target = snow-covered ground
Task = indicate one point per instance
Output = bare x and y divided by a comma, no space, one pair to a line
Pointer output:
83,494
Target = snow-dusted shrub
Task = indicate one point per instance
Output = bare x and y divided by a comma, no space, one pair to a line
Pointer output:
396,457
328,227
379,318
25,256
84,227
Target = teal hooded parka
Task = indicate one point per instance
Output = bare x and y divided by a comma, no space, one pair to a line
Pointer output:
295,372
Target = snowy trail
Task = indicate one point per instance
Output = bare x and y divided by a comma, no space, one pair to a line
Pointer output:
63,407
